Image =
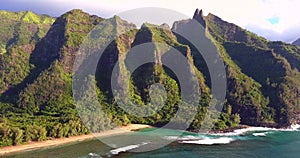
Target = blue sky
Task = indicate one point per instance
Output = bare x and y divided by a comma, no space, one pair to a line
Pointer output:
273,19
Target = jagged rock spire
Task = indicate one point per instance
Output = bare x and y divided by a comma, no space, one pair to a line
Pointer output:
198,15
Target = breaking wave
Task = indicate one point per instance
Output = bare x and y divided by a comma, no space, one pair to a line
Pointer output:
125,148
209,141
243,131
226,138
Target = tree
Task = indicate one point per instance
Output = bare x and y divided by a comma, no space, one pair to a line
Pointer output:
4,131
17,135
35,133
235,119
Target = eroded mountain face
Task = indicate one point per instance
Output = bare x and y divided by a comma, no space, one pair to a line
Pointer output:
37,54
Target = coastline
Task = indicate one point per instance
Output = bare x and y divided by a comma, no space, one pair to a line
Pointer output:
123,130
61,141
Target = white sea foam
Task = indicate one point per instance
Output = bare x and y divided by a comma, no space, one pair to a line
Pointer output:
209,141
243,131
187,137
256,129
126,148
171,137
259,134
226,138
94,155
295,127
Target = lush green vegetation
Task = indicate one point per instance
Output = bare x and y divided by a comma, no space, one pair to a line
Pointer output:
36,61
14,67
273,65
224,31
23,27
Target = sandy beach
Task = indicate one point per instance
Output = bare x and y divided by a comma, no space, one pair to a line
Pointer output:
61,141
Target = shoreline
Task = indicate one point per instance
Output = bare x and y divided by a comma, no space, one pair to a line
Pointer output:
4,151
61,141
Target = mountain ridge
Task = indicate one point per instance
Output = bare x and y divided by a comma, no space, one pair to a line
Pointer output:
262,76
297,42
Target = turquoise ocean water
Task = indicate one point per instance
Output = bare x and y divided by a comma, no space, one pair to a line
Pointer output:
250,143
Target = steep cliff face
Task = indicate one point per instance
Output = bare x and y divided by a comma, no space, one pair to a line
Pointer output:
273,65
53,58
115,52
243,93
37,58
18,35
224,31
64,38
22,28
